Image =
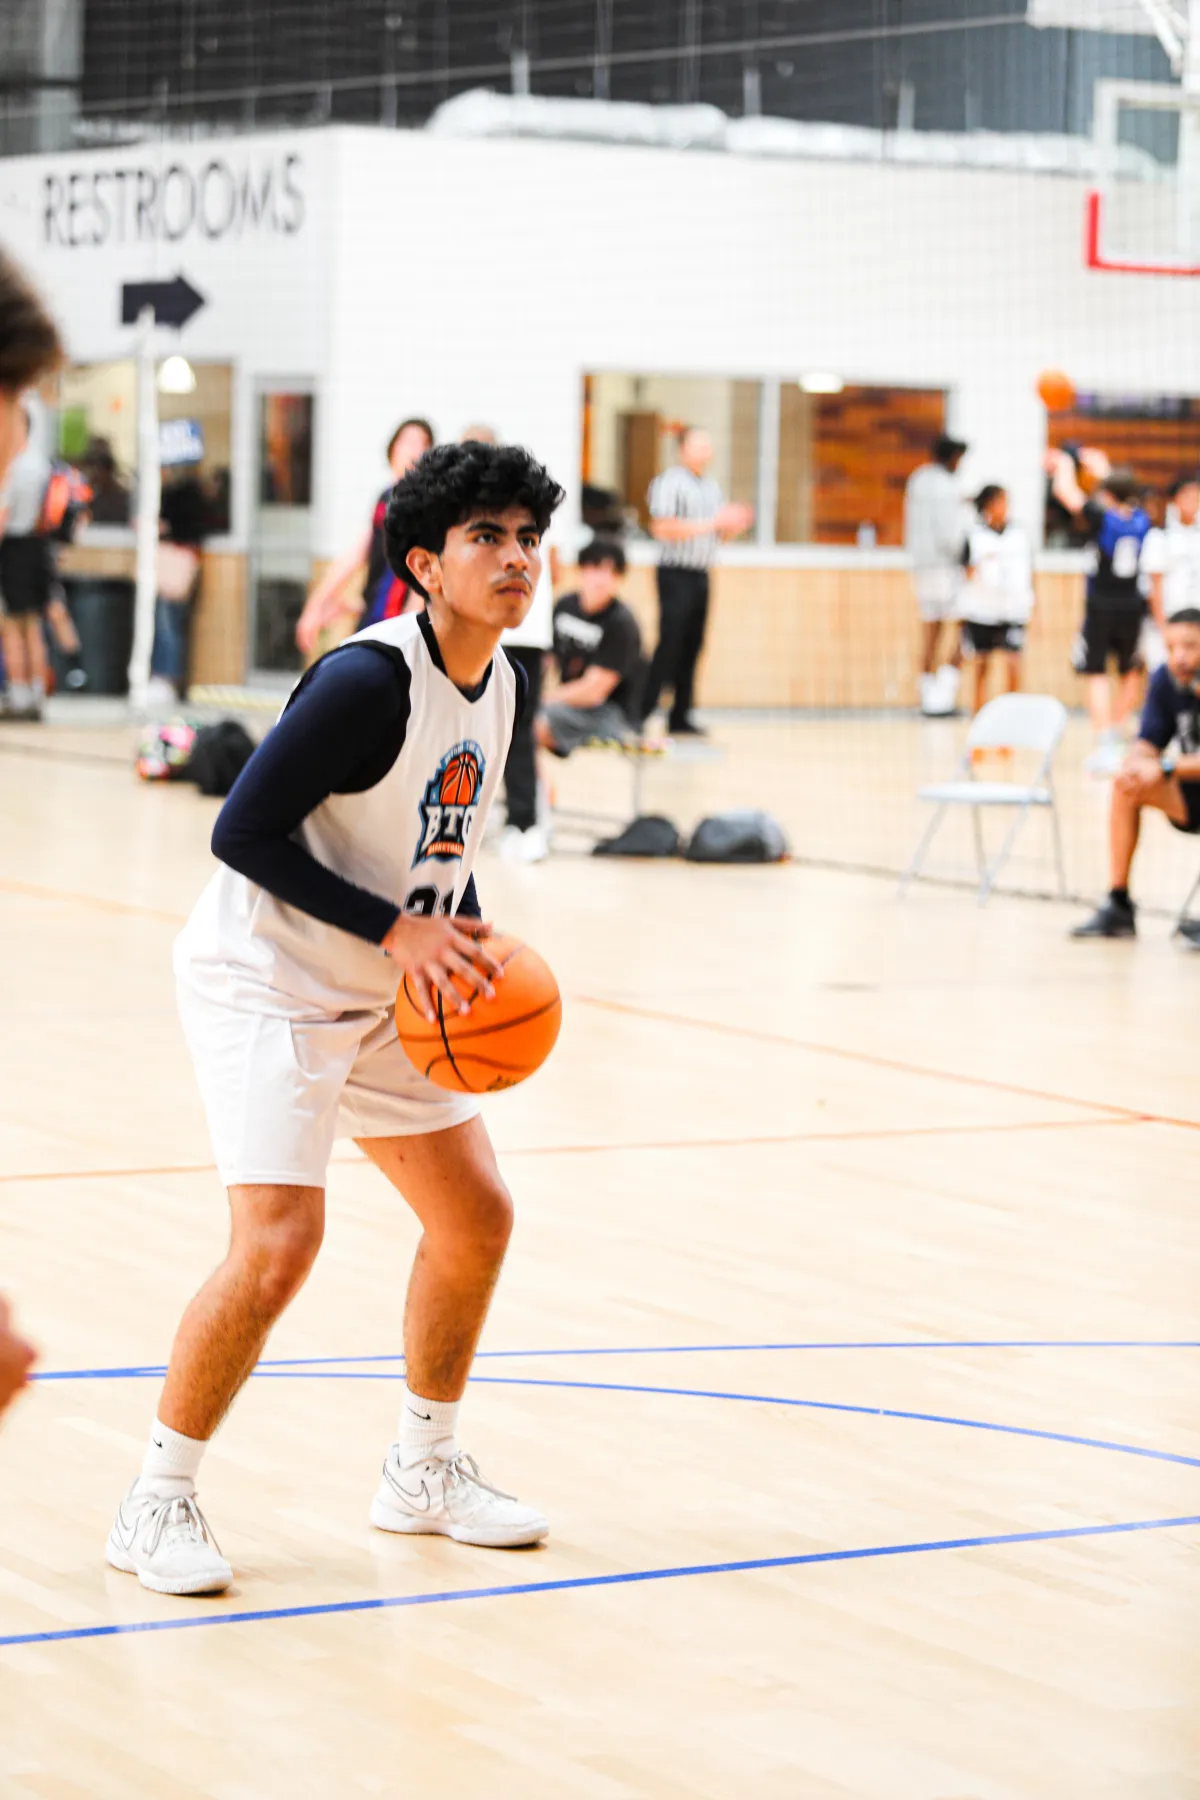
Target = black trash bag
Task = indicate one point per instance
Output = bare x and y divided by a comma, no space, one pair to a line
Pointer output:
738,837
219,755
649,835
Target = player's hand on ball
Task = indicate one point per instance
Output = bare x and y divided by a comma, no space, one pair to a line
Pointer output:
434,952
17,1357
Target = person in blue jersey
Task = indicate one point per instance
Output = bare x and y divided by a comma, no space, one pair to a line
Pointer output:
1116,525
384,594
1161,773
342,870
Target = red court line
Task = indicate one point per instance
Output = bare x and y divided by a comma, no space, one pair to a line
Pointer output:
871,1060
732,1143
30,892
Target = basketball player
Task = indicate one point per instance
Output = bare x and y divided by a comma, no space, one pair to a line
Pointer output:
345,869
1117,526
1155,775
934,529
997,602
29,351
384,593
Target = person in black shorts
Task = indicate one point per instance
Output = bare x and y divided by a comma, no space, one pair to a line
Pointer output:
1117,527
26,574
598,649
1161,771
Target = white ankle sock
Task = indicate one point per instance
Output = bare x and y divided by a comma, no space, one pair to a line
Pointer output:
427,1428
172,1461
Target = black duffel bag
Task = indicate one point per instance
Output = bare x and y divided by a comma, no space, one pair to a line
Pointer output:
738,837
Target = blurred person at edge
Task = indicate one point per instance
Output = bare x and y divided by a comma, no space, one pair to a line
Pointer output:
689,517
29,351
526,835
25,576
383,594
935,526
1160,773
1171,558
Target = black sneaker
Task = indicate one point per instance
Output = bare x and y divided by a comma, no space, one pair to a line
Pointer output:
687,728
1189,931
1108,921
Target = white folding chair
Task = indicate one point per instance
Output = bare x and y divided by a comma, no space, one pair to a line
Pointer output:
1032,722
1185,910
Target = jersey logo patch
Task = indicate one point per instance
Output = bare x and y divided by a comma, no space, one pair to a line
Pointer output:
448,807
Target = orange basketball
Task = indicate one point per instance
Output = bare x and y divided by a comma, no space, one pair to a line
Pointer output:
499,1042
1056,391
459,780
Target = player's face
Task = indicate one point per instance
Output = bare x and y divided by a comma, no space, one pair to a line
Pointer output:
597,585
1183,653
696,451
996,512
1187,502
488,568
408,448
13,430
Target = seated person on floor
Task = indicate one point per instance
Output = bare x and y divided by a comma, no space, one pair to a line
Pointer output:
1156,775
598,649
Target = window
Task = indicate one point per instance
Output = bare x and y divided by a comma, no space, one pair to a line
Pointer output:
98,431
820,465
631,427
844,459
1157,436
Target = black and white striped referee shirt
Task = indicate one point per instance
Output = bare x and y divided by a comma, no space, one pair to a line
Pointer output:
678,494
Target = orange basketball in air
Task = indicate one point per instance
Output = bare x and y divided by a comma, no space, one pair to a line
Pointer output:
460,778
1056,391
499,1042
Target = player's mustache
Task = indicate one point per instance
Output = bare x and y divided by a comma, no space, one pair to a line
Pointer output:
516,579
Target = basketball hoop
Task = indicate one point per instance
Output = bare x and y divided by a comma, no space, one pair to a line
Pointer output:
1143,216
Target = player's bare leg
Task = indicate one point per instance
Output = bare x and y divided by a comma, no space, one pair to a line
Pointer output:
451,1181
159,1532
275,1234
1129,690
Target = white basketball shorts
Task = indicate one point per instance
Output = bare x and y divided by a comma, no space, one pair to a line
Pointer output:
937,592
280,1081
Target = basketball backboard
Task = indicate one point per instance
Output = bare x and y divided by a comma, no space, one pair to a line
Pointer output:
1143,215
1167,20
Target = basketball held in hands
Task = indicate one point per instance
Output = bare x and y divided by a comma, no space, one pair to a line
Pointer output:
499,1042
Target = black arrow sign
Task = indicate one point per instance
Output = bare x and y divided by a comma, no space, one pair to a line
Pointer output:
174,302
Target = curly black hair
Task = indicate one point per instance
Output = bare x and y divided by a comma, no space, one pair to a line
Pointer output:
456,482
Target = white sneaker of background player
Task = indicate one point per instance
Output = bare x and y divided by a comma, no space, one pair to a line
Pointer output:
167,1544
524,846
1107,757
448,1497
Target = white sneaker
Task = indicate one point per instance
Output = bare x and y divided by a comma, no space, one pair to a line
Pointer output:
524,846
167,1544
447,1496
1106,758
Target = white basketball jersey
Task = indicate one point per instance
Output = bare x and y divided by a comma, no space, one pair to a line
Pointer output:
410,839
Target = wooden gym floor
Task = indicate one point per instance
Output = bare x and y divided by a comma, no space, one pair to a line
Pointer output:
848,1338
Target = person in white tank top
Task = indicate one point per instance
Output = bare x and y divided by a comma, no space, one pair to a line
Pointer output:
343,868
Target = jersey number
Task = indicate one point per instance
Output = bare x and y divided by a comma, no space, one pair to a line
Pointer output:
1125,557
427,902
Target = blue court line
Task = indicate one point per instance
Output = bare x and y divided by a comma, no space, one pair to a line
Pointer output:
834,1406
138,1370
750,1565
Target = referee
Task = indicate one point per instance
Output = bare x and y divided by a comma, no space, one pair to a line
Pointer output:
689,518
